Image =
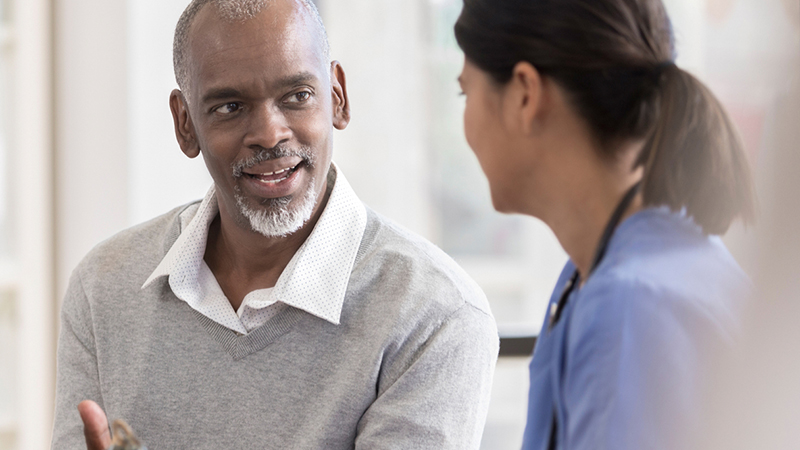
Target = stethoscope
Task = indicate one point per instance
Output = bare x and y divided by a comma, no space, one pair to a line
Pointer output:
557,308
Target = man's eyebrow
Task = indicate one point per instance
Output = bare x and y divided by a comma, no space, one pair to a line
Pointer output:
300,78
220,94
224,93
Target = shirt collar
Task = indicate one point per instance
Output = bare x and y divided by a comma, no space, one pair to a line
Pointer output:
316,278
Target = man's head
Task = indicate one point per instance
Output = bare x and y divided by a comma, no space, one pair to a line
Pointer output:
259,99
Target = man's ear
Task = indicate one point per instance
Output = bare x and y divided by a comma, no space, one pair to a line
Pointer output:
524,96
184,128
341,104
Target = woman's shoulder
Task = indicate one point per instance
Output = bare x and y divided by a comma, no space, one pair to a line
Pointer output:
663,275
667,251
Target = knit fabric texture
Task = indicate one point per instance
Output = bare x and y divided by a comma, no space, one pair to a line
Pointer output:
409,366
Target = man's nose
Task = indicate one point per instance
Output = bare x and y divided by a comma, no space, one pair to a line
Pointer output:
267,127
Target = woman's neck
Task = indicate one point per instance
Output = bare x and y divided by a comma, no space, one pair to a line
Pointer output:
580,229
583,205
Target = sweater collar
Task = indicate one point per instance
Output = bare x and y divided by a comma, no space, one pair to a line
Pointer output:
316,278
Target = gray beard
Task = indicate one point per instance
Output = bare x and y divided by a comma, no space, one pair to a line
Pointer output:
279,218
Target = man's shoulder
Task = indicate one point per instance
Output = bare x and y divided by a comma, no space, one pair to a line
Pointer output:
141,246
397,260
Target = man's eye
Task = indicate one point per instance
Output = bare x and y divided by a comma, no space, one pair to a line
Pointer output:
228,108
300,97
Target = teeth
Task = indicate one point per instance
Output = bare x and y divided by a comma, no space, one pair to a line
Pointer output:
276,173
274,181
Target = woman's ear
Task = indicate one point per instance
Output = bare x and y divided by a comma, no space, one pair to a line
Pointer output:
341,104
184,128
524,96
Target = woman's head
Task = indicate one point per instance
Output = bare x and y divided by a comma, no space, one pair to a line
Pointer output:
613,60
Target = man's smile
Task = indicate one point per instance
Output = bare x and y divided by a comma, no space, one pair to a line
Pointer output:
275,176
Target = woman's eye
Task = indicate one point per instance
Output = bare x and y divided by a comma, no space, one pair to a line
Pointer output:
228,108
300,97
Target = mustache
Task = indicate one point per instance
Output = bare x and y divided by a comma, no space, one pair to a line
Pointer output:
266,154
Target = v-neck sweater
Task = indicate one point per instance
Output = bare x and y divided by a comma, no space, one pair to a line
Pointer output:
409,365
315,280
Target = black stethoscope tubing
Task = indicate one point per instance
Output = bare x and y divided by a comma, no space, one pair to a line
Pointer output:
555,315
575,280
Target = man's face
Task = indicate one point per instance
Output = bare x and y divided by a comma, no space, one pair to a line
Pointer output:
263,101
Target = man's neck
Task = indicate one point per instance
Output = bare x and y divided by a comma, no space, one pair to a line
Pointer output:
243,260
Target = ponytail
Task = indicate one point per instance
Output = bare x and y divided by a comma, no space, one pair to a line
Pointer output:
607,54
694,159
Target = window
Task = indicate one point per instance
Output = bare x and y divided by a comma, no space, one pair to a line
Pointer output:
402,62
515,259
404,153
8,278
27,306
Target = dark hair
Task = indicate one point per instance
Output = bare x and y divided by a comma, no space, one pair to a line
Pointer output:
614,59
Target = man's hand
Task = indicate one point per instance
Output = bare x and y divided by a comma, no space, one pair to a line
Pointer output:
95,426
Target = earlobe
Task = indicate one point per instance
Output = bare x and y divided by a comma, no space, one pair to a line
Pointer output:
184,128
341,104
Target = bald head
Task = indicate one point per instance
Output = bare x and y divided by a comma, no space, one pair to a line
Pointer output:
230,11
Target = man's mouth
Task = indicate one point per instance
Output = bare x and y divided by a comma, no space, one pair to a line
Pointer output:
276,176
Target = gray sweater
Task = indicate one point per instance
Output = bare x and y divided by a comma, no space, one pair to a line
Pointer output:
409,367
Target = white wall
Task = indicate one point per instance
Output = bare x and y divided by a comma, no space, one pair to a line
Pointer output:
32,204
383,153
118,163
91,116
689,26
160,177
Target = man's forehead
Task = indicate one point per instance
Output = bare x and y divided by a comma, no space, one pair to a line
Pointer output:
279,20
280,41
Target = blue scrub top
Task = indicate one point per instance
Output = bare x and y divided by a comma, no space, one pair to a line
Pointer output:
623,368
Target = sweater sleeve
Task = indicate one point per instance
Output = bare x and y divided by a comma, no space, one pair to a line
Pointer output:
441,398
77,376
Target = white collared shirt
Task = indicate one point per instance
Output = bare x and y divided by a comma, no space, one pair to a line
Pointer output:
315,280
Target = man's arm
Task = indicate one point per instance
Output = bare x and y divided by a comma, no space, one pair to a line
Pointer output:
440,397
78,378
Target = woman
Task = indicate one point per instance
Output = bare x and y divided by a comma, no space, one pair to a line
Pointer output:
579,116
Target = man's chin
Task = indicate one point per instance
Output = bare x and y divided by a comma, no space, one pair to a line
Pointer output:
278,217
271,229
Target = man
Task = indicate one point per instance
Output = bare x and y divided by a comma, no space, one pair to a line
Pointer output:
279,312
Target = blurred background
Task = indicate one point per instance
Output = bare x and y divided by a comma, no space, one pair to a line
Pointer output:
87,149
